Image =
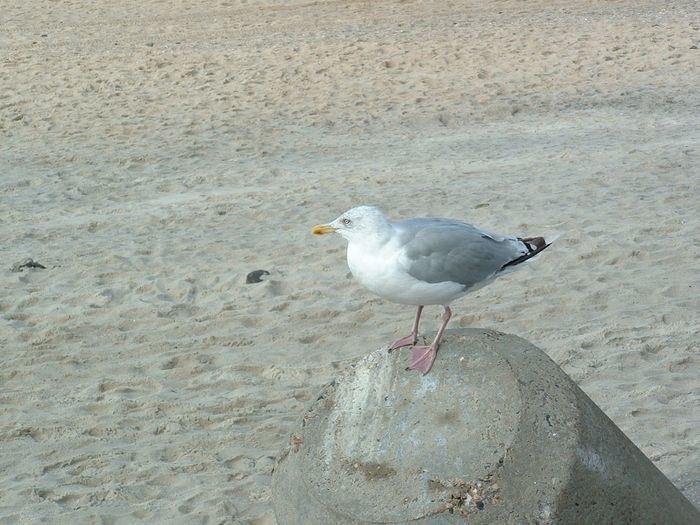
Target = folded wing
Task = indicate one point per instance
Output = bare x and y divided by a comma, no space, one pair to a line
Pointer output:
438,250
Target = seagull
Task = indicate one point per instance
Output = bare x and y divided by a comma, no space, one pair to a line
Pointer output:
426,261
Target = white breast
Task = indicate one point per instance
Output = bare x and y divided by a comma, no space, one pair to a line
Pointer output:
379,269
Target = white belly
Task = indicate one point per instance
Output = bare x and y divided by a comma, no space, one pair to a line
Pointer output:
381,272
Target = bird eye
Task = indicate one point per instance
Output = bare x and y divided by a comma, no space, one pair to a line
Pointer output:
346,221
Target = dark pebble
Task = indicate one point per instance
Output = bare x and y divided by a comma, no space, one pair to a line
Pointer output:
255,277
27,263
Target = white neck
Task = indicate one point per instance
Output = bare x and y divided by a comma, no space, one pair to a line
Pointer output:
375,239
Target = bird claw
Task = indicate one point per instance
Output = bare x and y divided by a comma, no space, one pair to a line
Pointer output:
422,358
409,340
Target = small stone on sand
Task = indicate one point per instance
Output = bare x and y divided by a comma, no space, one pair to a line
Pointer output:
256,276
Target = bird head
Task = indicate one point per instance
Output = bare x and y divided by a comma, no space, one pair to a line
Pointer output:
360,222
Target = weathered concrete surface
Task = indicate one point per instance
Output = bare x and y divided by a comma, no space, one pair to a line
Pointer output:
496,433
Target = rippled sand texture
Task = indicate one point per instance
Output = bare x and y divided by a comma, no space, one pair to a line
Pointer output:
154,153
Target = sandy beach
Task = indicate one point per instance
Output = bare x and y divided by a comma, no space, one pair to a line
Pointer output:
152,154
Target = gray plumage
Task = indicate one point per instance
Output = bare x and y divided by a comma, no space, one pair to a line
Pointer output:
446,250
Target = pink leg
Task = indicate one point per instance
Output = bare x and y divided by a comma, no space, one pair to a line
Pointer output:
423,356
411,338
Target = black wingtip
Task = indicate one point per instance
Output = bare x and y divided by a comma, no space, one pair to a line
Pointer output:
534,246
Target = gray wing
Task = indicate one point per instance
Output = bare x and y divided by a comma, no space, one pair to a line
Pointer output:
437,250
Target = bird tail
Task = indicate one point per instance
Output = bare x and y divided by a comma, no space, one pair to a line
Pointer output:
534,246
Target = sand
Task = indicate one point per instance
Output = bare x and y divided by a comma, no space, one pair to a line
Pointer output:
153,154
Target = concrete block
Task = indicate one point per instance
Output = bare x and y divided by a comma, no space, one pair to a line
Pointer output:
495,433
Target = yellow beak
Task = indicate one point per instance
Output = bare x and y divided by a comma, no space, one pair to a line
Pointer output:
320,229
